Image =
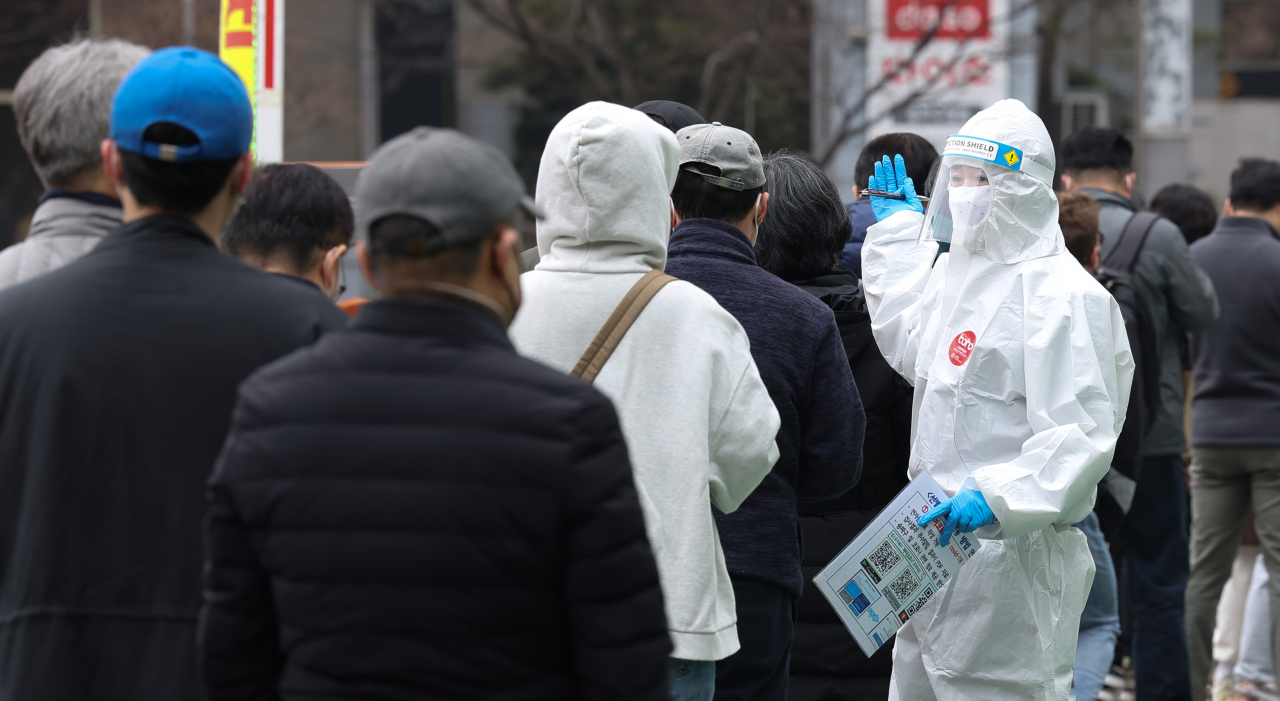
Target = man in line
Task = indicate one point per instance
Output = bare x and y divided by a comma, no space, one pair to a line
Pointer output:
697,417
410,509
1100,621
1236,407
294,221
1099,162
920,157
117,378
719,201
1021,369
62,104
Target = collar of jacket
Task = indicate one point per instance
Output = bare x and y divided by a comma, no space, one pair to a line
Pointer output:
1109,197
73,216
862,217
90,197
1256,226
160,226
711,237
430,317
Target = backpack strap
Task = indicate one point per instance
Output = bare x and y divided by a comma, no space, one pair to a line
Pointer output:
1125,254
610,335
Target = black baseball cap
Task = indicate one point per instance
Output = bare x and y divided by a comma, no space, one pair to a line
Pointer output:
671,115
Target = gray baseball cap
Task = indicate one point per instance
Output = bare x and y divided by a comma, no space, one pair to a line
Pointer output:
462,186
731,150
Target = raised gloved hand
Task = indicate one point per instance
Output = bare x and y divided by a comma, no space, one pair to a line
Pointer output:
893,178
965,512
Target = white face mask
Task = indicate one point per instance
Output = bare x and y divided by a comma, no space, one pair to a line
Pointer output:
969,205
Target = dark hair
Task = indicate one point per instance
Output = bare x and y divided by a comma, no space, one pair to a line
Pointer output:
185,188
1078,218
1188,207
807,223
694,197
292,207
1255,184
917,153
1097,148
406,237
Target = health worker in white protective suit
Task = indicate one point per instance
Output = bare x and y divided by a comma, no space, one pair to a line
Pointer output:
1021,369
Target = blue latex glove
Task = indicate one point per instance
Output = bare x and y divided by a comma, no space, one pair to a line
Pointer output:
893,178
965,512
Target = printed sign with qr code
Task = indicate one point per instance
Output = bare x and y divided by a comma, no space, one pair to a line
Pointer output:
884,558
883,577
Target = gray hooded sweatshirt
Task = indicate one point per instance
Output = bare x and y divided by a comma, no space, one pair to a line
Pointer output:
698,421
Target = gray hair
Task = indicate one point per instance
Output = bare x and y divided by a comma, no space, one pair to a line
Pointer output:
62,104
807,224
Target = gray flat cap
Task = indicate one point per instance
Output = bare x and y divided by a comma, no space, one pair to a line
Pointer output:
731,150
462,186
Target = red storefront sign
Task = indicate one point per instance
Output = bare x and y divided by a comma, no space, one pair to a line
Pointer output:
959,19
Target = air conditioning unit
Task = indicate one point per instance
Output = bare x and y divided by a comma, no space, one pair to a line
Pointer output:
1084,108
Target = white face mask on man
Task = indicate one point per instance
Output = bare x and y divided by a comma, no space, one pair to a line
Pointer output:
969,205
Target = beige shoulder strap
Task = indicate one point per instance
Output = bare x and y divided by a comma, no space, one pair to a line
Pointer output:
610,335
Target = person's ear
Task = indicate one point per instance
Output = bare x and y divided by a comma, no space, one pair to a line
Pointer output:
329,269
1227,209
857,194
111,162
365,261
764,208
1068,183
675,218
240,175
1095,256
1130,181
503,256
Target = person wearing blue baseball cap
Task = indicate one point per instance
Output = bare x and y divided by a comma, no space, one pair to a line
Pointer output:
117,377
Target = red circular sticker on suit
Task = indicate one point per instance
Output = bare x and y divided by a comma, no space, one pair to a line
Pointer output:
961,347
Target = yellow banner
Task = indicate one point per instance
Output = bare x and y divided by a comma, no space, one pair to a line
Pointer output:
237,41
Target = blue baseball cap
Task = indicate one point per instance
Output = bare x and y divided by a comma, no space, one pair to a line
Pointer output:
190,88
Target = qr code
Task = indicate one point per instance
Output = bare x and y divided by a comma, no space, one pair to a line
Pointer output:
884,558
920,602
904,585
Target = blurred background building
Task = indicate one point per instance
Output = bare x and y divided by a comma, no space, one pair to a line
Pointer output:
1196,83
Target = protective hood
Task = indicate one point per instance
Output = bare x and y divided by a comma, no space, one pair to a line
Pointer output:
1022,223
605,183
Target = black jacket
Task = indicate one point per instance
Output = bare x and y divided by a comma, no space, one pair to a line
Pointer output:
411,510
118,373
826,664
1237,361
797,349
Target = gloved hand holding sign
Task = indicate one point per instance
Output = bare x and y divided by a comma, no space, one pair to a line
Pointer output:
965,512
893,178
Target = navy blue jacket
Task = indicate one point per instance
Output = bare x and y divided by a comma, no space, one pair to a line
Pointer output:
796,345
861,216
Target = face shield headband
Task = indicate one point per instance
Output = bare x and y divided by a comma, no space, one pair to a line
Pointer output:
961,188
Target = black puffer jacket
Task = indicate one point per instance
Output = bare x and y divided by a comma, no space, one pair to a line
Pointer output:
826,663
410,510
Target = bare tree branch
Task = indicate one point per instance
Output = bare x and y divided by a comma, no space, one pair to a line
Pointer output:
847,129
743,40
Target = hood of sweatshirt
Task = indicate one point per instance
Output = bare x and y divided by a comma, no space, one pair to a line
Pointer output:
605,184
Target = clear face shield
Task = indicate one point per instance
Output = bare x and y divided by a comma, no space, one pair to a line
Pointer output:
961,188
960,195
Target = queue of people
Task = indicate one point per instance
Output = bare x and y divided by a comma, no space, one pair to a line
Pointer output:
607,467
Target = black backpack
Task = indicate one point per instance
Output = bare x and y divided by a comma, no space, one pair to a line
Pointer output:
1130,294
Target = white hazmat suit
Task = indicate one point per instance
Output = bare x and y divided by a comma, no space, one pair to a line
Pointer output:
1021,369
